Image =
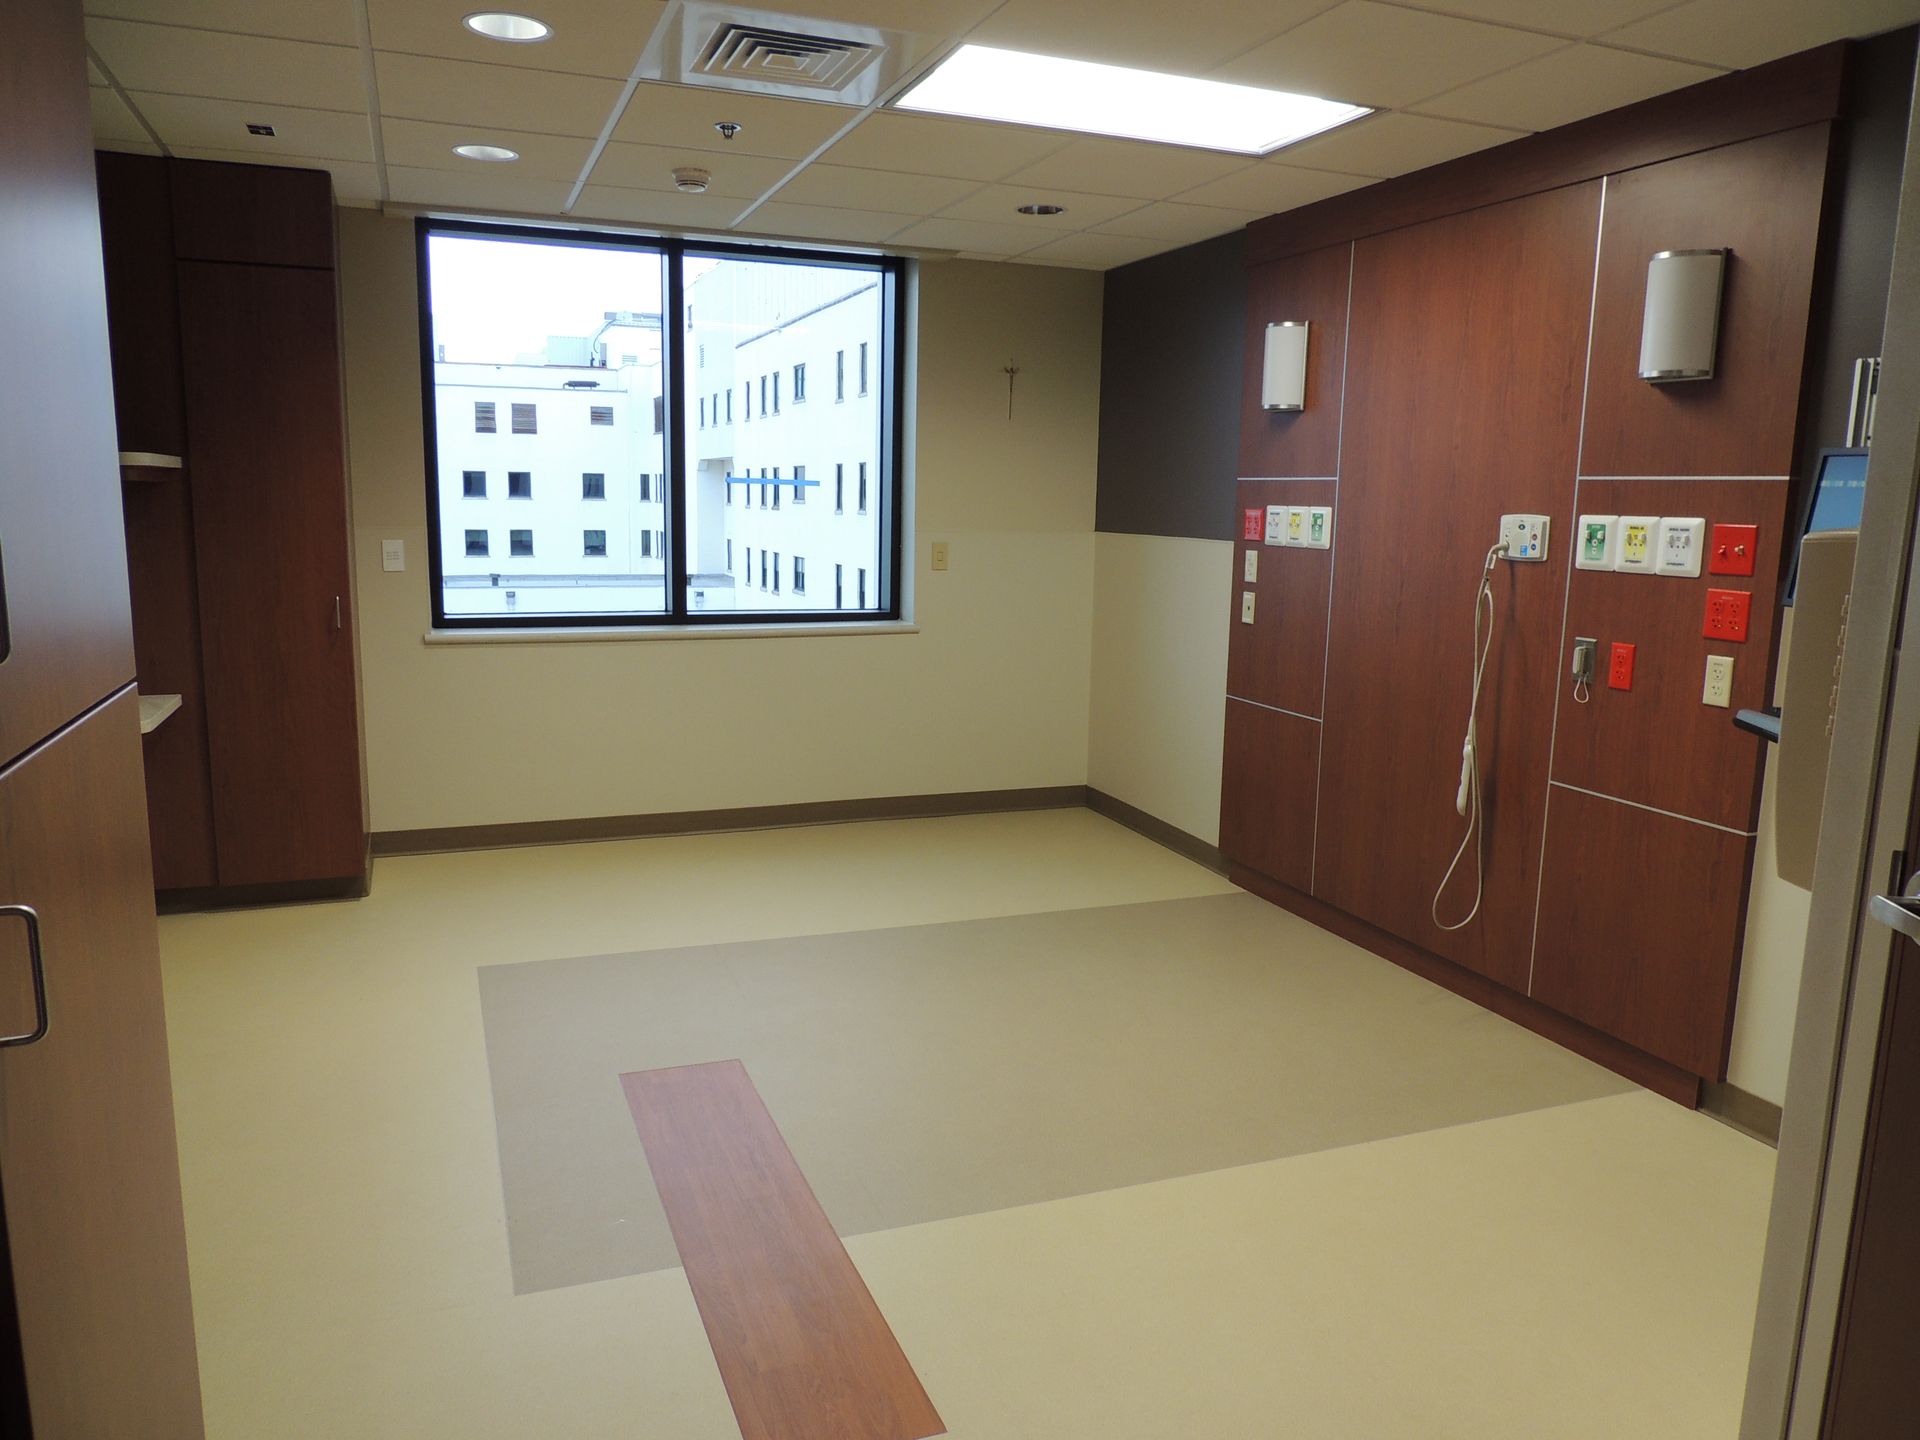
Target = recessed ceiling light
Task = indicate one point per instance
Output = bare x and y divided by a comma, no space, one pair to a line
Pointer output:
983,83
1042,209
486,152
504,25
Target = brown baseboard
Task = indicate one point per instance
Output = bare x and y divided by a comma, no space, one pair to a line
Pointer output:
1743,1110
1157,830
1650,1071
704,822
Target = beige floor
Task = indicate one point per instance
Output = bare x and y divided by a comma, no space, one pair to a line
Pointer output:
1582,1270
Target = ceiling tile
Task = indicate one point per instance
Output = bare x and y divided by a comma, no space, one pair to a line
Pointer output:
112,120
1371,54
191,121
1566,86
1581,19
426,146
919,17
669,209
1097,251
1739,33
1395,144
172,61
1179,224
962,149
475,191
651,167
999,204
972,236
684,115
1270,188
590,37
1125,167
330,22
896,191
818,222
1144,33
459,92
355,182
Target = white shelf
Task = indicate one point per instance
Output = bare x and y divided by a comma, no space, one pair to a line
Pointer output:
154,709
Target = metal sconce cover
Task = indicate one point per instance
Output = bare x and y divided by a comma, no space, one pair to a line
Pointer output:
1283,379
1680,331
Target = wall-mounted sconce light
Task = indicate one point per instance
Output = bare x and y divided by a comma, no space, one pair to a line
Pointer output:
1283,381
1681,328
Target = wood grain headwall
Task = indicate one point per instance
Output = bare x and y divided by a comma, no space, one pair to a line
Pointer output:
1475,342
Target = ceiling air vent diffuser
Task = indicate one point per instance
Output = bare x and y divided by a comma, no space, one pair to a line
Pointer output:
726,47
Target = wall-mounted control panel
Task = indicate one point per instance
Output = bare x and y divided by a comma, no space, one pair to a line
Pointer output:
1276,527
1304,527
1525,536
1727,614
1681,543
1319,527
1732,548
1639,543
1597,546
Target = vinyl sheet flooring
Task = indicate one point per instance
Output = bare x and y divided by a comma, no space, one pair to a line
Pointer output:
1119,1151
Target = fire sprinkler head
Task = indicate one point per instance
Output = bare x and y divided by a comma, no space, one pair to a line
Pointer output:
727,128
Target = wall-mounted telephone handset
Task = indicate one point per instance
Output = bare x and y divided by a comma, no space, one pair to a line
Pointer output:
1584,653
1467,799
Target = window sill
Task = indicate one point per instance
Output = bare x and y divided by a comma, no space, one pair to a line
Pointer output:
592,634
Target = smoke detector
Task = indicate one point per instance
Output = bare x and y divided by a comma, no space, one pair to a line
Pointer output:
691,180
763,52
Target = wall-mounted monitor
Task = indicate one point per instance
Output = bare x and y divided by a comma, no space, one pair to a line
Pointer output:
1838,490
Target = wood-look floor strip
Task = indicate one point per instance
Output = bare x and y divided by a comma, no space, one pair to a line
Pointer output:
803,1349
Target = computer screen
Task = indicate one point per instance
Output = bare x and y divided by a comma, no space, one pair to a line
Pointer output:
1839,487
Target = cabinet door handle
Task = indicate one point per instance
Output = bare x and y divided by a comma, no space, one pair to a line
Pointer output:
32,918
336,612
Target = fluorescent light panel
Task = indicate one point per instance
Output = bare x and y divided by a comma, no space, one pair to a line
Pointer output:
982,83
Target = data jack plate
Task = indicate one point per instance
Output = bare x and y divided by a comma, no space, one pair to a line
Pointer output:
1525,537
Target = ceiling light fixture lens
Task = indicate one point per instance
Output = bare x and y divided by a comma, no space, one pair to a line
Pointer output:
982,83
486,152
504,25
1043,209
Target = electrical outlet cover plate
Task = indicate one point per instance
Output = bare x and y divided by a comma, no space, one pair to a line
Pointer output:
1639,537
1732,549
1727,615
1681,541
1252,524
1276,525
1319,527
1599,542
1718,689
1246,607
1526,536
1620,667
1250,567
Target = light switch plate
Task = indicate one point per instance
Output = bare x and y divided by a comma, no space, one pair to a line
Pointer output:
1319,527
1639,543
1597,545
1250,567
1682,540
1718,689
393,555
940,556
1526,536
1246,607
1276,525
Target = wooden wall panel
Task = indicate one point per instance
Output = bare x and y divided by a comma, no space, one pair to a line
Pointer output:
1641,918
1267,801
1280,659
1656,743
1313,288
1761,199
252,214
1468,344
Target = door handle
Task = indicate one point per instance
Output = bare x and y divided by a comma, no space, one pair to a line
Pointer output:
336,612
32,918
1899,913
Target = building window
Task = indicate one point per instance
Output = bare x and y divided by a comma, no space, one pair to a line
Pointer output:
476,543
862,603
746,297
839,583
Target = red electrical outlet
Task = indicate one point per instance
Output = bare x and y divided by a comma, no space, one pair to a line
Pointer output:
1727,612
1253,525
1620,667
1730,551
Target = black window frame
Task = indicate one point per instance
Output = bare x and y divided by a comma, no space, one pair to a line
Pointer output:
890,272
467,489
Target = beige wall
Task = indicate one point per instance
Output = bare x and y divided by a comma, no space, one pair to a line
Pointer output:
992,693
1160,675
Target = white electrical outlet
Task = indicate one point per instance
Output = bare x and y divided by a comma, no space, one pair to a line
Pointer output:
1639,548
1718,689
1597,545
1276,525
1246,607
1681,541
1319,527
1250,567
1526,536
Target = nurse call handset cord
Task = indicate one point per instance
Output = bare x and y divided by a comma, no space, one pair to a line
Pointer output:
1467,799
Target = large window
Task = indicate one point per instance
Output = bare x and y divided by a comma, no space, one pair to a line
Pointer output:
609,356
